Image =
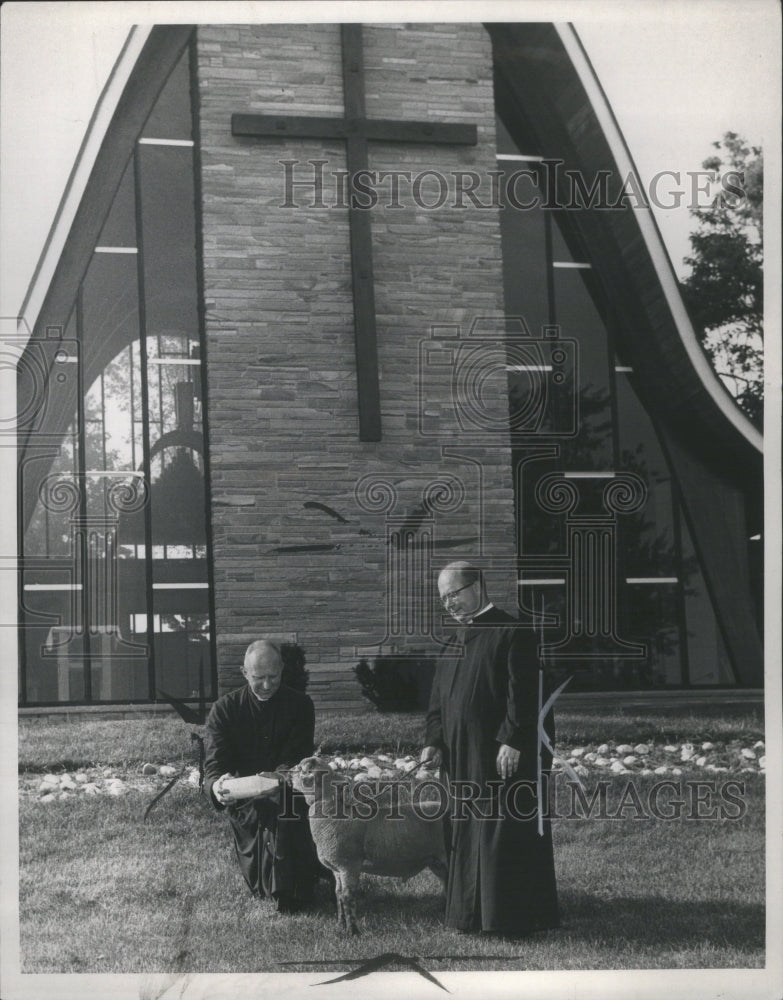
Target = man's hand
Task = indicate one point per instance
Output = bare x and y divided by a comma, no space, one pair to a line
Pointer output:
223,796
507,761
431,755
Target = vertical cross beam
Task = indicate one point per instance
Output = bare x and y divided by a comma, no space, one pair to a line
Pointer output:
360,227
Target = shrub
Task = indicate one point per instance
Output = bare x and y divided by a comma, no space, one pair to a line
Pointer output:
294,659
397,683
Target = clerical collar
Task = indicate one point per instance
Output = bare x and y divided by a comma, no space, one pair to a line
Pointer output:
484,610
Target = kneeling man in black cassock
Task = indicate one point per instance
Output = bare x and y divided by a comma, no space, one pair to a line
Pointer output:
254,730
482,727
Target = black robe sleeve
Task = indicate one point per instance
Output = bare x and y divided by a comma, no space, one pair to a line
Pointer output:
219,752
519,728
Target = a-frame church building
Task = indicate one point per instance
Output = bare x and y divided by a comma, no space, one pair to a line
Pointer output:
326,307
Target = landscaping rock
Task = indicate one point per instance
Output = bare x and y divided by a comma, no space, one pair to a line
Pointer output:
602,750
577,751
47,798
624,748
708,746
149,769
167,771
748,754
629,760
642,749
81,777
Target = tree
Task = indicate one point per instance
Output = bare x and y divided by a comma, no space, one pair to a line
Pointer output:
724,292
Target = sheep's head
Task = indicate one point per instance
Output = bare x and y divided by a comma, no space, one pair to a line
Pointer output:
308,777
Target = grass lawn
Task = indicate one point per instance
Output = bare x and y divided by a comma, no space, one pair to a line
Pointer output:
102,892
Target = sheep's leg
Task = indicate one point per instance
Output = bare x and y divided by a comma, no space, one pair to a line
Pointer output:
350,887
338,893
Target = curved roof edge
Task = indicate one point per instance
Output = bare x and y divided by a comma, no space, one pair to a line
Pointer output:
654,242
79,176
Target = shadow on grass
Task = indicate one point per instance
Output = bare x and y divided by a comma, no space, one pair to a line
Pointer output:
655,922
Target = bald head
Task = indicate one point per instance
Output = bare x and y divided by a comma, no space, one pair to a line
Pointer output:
263,668
461,589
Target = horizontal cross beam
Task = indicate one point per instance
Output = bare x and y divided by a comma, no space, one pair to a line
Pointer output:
372,129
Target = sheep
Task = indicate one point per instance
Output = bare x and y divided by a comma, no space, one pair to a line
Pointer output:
349,844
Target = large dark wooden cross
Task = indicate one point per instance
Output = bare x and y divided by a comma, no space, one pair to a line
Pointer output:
357,130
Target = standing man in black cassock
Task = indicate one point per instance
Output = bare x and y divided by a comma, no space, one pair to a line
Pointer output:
482,727
255,729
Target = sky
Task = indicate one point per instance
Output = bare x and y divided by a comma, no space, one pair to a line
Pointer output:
678,74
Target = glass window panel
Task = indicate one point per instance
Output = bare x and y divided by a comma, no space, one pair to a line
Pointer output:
168,241
649,615
540,531
118,646
592,447
119,230
53,649
648,534
560,250
708,660
116,677
505,144
524,254
170,118
182,648
110,311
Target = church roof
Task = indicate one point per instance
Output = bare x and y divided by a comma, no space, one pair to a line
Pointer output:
544,81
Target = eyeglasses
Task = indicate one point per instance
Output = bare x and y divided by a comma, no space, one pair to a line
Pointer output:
453,593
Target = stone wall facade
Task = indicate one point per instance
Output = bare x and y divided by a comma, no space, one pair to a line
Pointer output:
319,537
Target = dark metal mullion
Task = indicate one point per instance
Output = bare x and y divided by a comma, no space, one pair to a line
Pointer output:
610,322
132,406
82,554
550,271
682,621
194,103
145,420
